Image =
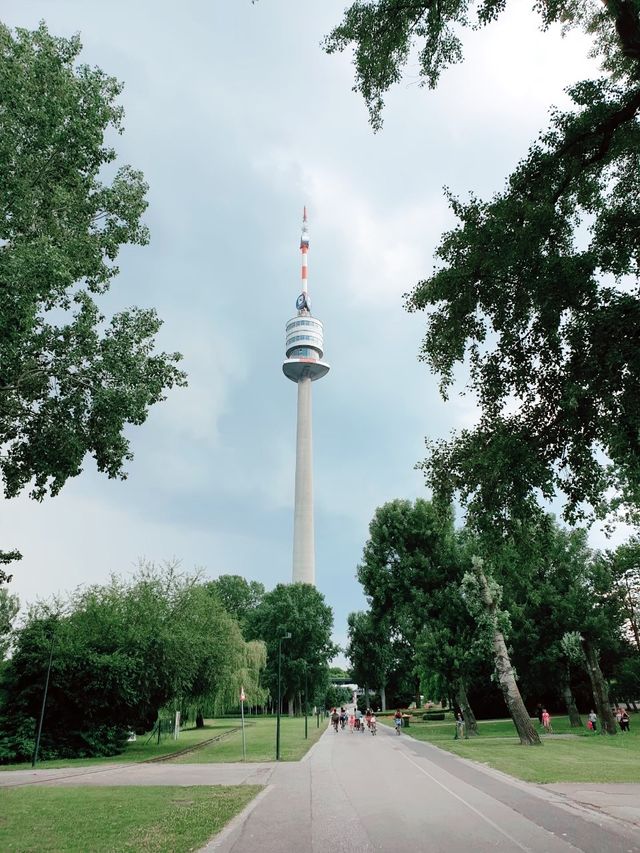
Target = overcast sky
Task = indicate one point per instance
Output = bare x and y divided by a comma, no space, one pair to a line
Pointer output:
238,119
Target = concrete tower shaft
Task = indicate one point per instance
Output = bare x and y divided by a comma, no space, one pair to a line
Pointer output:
303,364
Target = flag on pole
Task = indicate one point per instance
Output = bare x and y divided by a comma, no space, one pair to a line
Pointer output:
242,696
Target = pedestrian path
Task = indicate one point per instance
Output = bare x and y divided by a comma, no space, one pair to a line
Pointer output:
361,794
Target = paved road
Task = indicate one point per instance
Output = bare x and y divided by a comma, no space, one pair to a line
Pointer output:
361,794
358,793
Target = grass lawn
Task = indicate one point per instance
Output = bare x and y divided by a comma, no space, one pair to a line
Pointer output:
142,749
570,757
260,735
140,820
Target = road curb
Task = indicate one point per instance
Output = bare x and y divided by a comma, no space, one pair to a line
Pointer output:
235,823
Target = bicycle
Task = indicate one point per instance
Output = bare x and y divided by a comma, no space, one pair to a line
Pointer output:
398,724
373,727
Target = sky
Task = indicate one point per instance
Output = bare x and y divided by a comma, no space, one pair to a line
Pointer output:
237,119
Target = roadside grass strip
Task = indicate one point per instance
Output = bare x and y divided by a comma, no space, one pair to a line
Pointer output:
145,748
567,755
127,820
260,737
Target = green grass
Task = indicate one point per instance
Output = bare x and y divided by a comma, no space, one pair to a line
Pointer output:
104,820
142,749
260,734
570,757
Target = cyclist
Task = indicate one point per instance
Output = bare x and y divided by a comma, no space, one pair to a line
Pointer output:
358,719
343,718
367,717
372,724
397,720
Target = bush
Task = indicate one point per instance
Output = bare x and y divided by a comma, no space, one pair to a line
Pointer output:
433,715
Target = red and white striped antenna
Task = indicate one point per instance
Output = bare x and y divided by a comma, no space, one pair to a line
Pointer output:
304,248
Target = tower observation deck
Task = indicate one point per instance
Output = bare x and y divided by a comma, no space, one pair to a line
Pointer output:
304,349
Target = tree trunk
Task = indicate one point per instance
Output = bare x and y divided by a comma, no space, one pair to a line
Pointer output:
470,722
572,709
366,695
383,699
199,719
290,700
600,694
506,678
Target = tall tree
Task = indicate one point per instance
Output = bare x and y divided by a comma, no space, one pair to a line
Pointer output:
624,563
370,654
483,595
411,570
9,607
300,610
238,596
71,381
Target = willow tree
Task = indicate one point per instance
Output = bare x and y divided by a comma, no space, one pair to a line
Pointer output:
71,380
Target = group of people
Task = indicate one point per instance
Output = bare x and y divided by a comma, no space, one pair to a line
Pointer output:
621,715
622,718
356,719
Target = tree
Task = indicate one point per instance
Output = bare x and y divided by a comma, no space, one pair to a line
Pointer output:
482,595
624,563
9,607
410,572
543,308
298,609
121,652
71,381
238,596
370,653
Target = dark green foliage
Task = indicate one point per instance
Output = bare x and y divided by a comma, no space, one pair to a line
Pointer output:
368,650
536,289
120,653
336,697
71,381
238,596
384,34
300,610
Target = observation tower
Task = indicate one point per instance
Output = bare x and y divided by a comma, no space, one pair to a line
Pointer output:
303,365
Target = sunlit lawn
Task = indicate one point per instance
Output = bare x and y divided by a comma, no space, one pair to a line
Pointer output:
568,755
260,736
144,748
103,820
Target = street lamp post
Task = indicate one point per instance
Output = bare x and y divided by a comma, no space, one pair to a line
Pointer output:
305,701
286,636
34,758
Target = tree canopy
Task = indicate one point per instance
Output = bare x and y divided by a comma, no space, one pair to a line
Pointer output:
536,289
121,652
300,610
71,380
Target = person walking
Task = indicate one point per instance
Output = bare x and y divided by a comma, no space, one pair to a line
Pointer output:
459,726
335,719
546,721
593,720
624,721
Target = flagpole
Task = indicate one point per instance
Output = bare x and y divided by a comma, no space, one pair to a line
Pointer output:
244,748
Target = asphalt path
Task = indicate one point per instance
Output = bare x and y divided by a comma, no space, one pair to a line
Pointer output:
359,793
